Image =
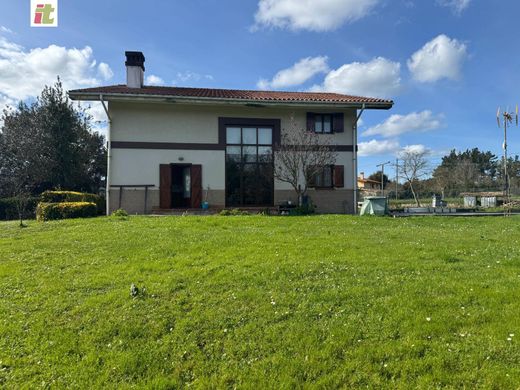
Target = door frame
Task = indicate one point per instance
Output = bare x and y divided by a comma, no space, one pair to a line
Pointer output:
180,165
193,188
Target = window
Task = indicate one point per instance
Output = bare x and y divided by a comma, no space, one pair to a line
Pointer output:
249,166
323,179
326,123
323,123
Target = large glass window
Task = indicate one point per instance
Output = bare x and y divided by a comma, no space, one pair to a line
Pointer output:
249,166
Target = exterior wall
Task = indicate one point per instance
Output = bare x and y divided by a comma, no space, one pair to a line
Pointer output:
132,199
336,201
175,123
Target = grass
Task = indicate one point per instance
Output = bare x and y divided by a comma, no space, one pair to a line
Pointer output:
261,302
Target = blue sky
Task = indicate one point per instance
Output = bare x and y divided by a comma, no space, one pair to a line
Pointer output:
447,64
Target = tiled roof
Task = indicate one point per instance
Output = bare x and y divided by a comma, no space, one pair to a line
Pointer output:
231,94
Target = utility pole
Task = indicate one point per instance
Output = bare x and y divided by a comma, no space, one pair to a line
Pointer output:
383,176
396,178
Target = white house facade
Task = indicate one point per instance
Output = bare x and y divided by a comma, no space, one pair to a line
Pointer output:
175,148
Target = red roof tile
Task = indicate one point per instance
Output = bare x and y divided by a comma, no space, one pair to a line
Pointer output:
230,94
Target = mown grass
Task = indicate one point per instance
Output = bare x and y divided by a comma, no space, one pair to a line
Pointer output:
261,302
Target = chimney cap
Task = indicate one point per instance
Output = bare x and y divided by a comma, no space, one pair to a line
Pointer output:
134,58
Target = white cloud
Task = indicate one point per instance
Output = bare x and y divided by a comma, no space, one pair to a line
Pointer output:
5,30
440,58
399,124
376,147
26,72
96,110
314,15
105,71
189,77
377,78
419,148
297,74
388,147
154,80
457,6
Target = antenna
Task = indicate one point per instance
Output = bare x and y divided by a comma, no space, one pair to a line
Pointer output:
508,121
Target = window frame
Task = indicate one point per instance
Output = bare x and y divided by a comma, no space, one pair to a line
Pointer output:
258,162
322,123
321,174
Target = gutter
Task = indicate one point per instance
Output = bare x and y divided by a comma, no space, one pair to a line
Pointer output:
109,155
354,155
202,100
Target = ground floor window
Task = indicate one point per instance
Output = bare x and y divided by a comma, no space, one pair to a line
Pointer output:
249,166
323,178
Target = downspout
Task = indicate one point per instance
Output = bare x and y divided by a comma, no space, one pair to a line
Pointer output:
109,155
354,156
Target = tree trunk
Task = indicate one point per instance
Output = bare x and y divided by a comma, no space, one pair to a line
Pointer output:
20,205
20,212
417,202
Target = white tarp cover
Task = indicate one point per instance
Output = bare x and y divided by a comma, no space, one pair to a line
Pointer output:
374,205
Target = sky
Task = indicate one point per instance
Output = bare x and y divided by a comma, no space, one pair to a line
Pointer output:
447,64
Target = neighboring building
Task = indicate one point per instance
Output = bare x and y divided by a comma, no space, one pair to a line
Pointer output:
367,184
197,144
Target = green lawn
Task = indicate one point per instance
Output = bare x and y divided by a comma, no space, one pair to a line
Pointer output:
261,302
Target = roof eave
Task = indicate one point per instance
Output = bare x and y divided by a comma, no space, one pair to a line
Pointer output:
97,96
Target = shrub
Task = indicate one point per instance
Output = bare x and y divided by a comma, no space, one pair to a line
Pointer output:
234,212
305,209
72,196
49,211
9,209
120,213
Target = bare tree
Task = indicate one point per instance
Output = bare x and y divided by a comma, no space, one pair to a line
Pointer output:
413,167
302,155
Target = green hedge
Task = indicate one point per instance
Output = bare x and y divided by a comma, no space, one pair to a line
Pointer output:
72,196
49,211
9,209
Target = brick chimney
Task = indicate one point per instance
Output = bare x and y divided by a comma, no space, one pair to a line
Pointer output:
362,175
134,69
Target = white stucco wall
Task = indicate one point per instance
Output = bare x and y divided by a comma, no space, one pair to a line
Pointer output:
141,166
153,122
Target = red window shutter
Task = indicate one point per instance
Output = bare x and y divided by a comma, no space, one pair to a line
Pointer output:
196,186
311,121
338,125
339,176
165,186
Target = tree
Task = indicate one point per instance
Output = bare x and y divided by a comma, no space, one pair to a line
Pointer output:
376,176
22,160
49,144
301,155
468,170
413,167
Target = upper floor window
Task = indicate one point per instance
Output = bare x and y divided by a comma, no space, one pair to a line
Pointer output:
323,123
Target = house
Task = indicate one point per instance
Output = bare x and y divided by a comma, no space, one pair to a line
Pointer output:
172,147
367,184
